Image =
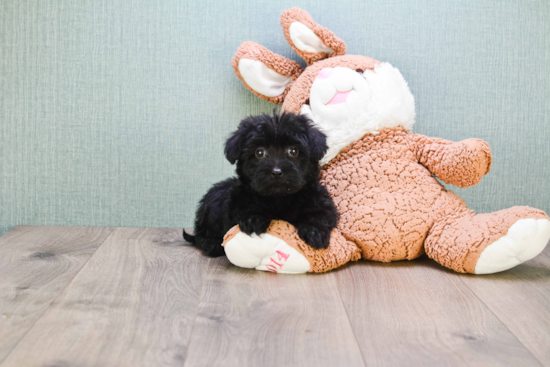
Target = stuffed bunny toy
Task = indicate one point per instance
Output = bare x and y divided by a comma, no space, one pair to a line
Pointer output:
381,176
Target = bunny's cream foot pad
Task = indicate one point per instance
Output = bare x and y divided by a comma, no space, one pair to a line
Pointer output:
265,252
525,239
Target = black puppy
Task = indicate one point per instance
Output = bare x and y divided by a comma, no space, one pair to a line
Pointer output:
278,178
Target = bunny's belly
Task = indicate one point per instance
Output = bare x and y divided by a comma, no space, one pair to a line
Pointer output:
387,201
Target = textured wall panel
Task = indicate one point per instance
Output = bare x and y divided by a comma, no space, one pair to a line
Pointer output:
114,112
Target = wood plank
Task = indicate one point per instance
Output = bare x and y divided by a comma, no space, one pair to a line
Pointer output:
132,304
520,298
417,313
546,250
253,318
36,264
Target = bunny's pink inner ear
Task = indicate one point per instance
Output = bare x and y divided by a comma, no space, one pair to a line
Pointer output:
264,73
308,39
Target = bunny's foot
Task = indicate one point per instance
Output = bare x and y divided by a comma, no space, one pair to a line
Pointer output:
265,252
488,243
281,250
525,239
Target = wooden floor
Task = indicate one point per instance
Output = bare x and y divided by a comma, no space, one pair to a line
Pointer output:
91,296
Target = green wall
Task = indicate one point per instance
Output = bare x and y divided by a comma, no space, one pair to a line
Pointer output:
114,112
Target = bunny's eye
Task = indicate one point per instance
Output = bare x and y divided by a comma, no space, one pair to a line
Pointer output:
260,153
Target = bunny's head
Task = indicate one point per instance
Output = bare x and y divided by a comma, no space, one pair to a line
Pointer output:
346,96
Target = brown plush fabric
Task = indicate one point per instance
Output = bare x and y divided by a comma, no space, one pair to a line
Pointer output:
462,164
277,63
385,198
329,39
393,208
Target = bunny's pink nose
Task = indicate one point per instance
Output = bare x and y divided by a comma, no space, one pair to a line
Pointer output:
325,73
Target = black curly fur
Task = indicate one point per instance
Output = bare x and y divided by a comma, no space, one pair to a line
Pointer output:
258,194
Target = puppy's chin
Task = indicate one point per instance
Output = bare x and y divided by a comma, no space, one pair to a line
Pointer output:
276,188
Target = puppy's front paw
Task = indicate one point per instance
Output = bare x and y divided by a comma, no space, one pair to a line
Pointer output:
254,224
314,236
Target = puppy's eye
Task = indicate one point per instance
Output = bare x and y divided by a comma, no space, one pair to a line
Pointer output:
260,153
292,151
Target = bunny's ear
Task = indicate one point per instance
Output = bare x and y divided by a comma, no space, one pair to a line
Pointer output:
311,41
267,75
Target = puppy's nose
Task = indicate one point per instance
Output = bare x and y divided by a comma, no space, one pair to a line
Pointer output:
276,172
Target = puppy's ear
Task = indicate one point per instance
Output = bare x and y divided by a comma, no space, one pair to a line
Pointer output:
233,146
317,142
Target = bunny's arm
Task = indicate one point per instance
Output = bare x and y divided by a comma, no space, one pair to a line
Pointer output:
462,164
